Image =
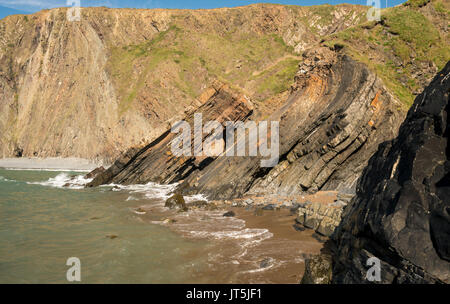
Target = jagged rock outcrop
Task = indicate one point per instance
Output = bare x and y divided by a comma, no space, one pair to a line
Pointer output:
323,218
317,270
157,162
401,214
333,121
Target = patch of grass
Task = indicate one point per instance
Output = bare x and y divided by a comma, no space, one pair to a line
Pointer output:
279,78
416,3
325,12
439,7
412,27
187,56
406,37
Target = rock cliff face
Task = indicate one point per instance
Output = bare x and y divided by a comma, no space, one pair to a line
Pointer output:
156,162
337,114
322,218
116,78
401,213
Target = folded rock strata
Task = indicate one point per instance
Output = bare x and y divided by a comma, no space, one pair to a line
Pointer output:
401,214
156,162
334,119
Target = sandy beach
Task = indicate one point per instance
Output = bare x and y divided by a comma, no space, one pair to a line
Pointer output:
56,164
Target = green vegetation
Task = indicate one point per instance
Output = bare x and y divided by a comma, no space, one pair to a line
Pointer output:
439,7
397,47
325,12
277,79
186,56
416,3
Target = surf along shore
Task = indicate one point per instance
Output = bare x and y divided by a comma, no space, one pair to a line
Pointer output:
254,239
258,239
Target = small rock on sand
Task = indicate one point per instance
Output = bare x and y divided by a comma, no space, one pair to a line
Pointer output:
270,207
230,214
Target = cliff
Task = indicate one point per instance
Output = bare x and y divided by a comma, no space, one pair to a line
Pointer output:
401,212
115,79
118,77
337,114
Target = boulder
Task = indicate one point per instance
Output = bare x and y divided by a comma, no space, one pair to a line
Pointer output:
95,172
18,152
318,270
176,201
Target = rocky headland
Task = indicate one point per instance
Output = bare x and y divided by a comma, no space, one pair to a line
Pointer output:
400,214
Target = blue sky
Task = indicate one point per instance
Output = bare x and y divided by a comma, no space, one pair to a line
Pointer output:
8,7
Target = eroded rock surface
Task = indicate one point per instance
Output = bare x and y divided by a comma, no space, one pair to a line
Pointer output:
156,162
333,121
401,214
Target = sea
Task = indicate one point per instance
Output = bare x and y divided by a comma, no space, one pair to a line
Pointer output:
124,234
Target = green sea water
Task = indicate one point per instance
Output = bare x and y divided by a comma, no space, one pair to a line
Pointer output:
41,226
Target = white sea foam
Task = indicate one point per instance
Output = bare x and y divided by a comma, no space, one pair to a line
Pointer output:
196,197
255,235
150,190
5,179
132,198
63,179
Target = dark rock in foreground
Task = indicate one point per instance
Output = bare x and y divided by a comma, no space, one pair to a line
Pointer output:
401,214
317,270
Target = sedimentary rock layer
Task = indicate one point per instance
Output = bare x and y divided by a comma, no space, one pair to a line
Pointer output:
157,162
401,214
334,119
337,114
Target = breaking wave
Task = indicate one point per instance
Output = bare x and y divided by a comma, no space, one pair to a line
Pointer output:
3,179
150,190
65,180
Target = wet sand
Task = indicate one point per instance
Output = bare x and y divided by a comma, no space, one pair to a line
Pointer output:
55,164
287,245
247,248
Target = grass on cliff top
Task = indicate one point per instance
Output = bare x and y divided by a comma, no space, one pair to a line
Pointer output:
396,48
186,57
277,79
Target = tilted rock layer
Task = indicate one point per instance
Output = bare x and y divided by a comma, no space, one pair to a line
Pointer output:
156,162
337,114
401,214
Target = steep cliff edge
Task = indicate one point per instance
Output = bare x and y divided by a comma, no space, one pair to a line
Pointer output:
401,213
337,114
